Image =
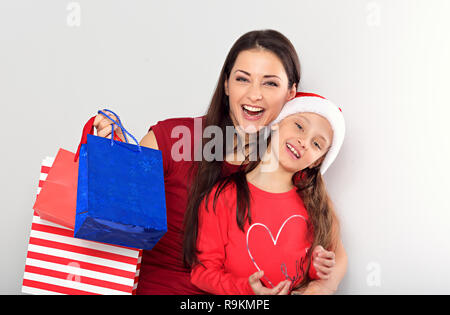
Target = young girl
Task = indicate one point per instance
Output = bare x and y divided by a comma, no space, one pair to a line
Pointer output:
256,228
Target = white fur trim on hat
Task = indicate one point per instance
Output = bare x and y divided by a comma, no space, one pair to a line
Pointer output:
311,103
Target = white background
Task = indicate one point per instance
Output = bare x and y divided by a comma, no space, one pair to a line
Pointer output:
385,62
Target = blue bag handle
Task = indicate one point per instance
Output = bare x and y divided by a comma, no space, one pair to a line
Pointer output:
118,123
114,123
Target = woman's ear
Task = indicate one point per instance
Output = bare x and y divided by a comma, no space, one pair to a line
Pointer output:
225,85
292,92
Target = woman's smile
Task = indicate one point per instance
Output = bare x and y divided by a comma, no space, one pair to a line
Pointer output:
252,112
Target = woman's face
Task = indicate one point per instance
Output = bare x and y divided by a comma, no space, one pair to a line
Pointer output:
304,138
257,89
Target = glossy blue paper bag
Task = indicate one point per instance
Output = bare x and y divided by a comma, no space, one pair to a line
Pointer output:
120,194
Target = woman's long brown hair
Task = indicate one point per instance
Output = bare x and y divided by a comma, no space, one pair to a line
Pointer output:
206,174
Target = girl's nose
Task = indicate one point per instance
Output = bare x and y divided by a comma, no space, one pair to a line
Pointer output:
301,143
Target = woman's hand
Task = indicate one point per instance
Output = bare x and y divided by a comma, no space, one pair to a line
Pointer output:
281,288
103,126
324,262
317,287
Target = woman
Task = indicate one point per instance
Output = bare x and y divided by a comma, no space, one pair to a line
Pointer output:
260,74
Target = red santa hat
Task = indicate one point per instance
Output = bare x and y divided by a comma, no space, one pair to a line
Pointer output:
313,103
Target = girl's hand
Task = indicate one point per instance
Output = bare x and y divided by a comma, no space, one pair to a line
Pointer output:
281,288
324,262
103,126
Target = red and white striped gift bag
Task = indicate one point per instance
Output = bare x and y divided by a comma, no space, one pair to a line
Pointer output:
58,263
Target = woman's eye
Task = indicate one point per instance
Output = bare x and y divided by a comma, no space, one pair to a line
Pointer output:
271,83
241,79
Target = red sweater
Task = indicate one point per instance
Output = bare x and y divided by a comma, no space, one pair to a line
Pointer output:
276,242
162,270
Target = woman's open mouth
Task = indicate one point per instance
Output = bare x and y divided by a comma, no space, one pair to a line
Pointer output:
252,112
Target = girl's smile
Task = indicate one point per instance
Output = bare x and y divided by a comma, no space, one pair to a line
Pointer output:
293,151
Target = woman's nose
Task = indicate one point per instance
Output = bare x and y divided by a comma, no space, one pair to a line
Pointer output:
254,93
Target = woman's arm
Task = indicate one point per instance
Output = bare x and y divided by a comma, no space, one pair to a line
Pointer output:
340,268
149,141
330,285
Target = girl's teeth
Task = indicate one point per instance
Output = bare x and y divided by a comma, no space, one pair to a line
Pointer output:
292,150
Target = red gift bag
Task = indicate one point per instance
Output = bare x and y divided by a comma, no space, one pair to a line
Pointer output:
58,263
57,199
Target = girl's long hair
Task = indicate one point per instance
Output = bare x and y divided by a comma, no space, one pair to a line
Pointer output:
323,225
204,175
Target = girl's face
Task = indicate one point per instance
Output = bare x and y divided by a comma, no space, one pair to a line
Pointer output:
257,89
304,138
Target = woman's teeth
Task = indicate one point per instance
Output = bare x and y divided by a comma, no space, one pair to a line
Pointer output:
293,150
253,109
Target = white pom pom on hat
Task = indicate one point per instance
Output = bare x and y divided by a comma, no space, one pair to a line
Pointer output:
314,103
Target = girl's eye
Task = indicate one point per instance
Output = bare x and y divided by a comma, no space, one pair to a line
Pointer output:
299,126
317,145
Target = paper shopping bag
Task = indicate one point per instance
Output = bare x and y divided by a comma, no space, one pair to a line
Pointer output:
57,263
57,199
120,193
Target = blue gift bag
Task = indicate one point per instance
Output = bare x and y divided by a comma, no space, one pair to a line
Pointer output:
120,194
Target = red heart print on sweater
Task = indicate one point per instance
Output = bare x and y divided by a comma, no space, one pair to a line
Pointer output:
281,257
